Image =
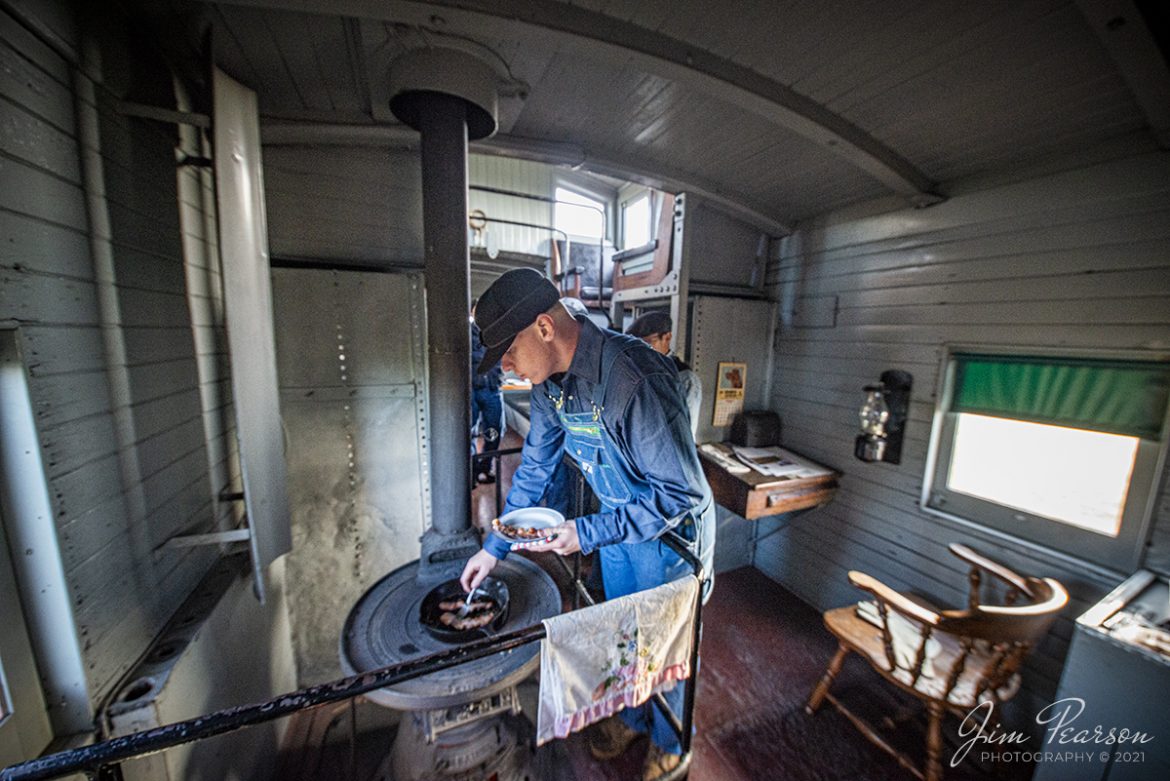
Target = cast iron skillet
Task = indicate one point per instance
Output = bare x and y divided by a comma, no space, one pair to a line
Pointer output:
491,589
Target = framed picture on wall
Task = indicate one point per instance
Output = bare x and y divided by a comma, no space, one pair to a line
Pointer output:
729,392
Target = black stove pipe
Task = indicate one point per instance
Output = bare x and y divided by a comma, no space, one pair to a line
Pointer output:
449,97
443,127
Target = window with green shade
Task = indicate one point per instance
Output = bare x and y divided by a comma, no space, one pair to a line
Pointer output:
1060,450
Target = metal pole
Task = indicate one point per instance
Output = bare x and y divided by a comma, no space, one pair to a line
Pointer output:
443,129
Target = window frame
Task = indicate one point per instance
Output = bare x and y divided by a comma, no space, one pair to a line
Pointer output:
623,210
606,199
1116,554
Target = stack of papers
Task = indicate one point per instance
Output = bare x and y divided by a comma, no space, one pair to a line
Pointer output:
778,462
723,459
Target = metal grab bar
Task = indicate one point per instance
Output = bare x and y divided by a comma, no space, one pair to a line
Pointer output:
494,457
89,759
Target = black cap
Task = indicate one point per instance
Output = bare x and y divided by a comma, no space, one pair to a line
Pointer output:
651,323
510,305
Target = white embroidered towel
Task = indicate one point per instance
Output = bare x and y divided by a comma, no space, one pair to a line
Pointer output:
600,659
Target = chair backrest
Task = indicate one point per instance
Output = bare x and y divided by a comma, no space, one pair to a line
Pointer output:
1030,605
1023,622
1002,635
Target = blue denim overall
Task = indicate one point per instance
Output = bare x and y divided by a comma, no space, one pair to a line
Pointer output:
625,567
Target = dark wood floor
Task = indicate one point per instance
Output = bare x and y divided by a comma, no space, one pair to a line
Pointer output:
762,652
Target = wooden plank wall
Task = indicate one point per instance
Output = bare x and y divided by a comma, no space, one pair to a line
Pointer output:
518,176
360,206
1076,257
123,442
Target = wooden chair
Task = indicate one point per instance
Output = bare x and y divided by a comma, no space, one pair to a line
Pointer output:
951,660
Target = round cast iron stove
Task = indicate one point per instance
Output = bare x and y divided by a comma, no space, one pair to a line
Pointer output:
464,723
383,628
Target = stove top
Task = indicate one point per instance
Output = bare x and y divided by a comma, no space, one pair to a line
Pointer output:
383,629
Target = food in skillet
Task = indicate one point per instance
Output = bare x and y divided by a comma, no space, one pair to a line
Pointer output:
457,604
480,614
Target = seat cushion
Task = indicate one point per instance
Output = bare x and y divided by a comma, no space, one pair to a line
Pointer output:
866,640
906,636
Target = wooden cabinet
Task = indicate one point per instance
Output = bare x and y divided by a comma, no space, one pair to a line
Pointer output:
753,495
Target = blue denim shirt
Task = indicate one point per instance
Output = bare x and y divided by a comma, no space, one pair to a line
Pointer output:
623,396
490,379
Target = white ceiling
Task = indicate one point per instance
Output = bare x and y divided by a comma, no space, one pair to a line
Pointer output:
781,110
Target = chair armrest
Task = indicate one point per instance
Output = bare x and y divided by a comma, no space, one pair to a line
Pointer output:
893,599
994,567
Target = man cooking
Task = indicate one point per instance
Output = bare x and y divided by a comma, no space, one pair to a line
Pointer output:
614,405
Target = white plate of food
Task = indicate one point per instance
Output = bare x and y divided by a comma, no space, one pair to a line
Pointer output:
527,524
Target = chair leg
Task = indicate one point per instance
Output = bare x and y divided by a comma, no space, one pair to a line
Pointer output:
935,711
826,681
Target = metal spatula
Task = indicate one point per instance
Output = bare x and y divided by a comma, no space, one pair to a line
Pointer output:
463,611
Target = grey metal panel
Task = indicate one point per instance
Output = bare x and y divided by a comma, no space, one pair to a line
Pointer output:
731,329
243,237
360,315
356,444
353,523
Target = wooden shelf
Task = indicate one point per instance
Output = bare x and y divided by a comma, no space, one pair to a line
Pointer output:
753,495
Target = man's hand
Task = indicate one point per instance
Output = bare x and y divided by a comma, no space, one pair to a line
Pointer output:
563,544
478,567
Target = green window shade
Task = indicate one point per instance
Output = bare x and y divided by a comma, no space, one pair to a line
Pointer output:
1117,397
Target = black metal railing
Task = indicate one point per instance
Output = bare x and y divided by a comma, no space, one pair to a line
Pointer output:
494,456
93,759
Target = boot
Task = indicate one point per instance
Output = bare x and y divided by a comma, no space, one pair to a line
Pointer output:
659,765
610,738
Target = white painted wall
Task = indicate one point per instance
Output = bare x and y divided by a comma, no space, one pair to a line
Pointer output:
520,176
1075,255
101,311
116,302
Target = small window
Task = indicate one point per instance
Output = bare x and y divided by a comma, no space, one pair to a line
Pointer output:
1060,451
636,222
579,215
